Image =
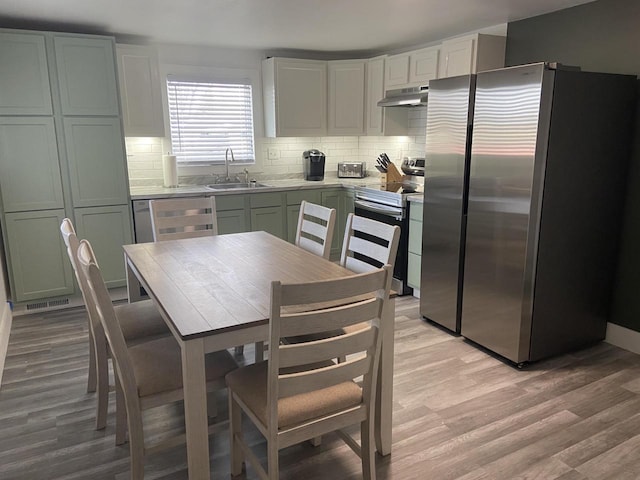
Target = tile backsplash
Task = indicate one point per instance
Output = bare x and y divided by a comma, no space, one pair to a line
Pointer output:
144,155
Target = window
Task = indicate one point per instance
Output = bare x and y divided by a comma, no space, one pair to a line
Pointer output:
206,118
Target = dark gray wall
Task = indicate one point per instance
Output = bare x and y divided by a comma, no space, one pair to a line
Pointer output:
602,36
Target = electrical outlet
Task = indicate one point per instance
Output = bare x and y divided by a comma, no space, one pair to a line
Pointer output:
273,153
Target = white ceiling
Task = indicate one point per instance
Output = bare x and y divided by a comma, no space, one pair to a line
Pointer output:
321,25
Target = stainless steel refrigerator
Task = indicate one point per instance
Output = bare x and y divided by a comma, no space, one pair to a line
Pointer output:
547,177
448,145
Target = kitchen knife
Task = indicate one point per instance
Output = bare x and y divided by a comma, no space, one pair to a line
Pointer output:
381,164
386,159
380,169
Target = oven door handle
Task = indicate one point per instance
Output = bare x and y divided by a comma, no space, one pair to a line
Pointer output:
382,209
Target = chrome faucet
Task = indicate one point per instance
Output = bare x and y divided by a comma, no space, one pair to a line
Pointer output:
226,163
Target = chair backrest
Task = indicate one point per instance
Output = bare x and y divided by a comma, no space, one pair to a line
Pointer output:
315,228
368,244
71,241
88,270
175,218
337,304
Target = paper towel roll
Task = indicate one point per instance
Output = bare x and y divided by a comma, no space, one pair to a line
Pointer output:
170,170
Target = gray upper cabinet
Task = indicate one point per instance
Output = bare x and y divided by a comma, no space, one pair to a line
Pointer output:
87,76
29,167
61,154
96,161
24,76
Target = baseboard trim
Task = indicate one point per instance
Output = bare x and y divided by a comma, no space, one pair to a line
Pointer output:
623,337
5,330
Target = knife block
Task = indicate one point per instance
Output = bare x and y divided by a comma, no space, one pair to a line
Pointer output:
393,175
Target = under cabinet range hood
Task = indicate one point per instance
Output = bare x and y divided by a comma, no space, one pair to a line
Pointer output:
405,97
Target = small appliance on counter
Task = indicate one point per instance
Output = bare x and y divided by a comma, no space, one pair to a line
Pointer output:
313,165
352,169
413,166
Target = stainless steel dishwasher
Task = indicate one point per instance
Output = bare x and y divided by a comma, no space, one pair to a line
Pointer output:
142,221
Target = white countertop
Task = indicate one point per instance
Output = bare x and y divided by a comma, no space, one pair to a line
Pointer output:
148,192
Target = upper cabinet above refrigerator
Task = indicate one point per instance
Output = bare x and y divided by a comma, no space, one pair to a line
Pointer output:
471,54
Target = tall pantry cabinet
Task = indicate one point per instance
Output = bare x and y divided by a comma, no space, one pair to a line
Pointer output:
61,154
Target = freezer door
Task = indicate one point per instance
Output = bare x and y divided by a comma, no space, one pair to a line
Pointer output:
507,163
449,114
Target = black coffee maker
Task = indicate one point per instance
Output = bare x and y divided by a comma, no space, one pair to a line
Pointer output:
313,165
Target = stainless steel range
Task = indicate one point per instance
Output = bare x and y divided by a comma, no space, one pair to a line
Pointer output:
387,203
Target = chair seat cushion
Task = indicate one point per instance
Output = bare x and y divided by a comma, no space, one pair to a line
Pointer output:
250,384
139,320
157,365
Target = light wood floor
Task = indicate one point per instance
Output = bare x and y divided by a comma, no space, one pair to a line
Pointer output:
459,414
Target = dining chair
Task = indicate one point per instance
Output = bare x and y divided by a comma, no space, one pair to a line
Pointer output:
191,217
315,228
300,393
148,374
175,218
140,321
368,244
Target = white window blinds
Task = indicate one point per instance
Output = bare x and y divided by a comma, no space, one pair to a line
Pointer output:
207,118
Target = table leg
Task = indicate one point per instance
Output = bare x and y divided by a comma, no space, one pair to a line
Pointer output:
384,393
133,284
195,408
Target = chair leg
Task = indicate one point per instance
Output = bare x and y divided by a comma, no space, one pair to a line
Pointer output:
235,433
136,445
102,390
366,450
259,352
121,414
92,377
316,441
272,460
212,405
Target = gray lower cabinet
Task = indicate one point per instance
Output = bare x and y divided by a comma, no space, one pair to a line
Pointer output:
232,221
268,219
29,166
415,244
267,213
107,228
231,213
37,255
294,199
334,198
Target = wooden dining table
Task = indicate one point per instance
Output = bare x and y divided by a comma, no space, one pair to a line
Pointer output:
214,293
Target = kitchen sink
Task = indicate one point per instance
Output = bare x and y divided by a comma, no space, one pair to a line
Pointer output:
234,186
